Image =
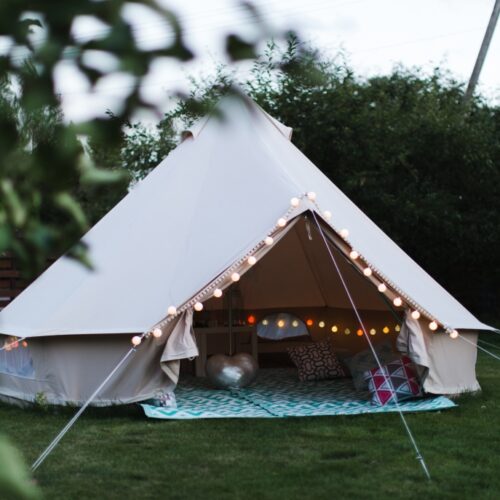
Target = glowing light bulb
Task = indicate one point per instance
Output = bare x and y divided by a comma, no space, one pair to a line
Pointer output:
269,241
251,260
453,334
295,202
295,323
265,322
347,331
359,332
397,328
335,329
344,233
397,302
198,306
309,322
321,324
415,314
353,254
157,333
281,323
235,277
281,222
327,214
251,319
136,340
386,329
373,331
433,326
311,195
217,293
172,310
367,271
382,288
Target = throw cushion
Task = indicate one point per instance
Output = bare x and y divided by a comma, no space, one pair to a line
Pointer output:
316,361
394,382
364,360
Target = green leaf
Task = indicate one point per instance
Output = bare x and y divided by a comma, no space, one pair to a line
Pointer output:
13,203
15,482
65,201
238,49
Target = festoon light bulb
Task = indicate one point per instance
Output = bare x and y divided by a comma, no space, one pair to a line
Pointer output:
217,293
353,254
415,314
344,233
327,214
453,334
172,310
251,260
136,340
382,288
157,333
367,271
281,222
235,277
397,302
198,306
295,202
269,241
311,195
433,326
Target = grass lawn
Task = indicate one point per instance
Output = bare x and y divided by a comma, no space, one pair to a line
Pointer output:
120,454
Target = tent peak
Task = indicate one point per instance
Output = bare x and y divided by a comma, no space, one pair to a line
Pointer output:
235,106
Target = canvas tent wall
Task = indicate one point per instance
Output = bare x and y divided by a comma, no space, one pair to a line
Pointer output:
193,221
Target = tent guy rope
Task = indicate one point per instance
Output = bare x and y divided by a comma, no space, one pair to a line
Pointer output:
495,346
479,347
420,457
77,415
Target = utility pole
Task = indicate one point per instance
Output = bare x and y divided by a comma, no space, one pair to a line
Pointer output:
482,52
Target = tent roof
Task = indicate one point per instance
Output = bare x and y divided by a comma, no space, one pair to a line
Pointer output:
208,203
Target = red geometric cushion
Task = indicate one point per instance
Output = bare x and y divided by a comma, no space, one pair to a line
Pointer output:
397,382
316,361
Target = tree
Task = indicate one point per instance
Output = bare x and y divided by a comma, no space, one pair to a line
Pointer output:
40,185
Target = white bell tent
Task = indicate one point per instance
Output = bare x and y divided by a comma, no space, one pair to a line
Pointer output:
235,188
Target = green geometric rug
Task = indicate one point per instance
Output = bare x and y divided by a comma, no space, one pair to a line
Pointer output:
277,393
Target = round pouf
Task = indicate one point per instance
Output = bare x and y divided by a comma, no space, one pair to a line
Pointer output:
231,372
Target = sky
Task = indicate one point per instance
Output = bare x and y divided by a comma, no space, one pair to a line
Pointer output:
376,35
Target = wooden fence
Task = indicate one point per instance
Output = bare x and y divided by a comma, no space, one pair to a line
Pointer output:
11,281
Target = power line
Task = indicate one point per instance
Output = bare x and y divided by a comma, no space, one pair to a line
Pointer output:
270,16
483,51
417,40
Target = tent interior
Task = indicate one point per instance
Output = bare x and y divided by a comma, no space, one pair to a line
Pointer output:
298,281
298,277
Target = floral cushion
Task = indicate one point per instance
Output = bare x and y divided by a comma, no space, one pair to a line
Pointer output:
395,382
316,361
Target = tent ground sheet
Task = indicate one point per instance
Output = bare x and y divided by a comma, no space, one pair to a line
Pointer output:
278,393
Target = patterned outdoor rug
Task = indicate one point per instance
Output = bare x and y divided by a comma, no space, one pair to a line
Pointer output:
278,393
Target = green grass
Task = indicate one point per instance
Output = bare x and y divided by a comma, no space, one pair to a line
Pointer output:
120,454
